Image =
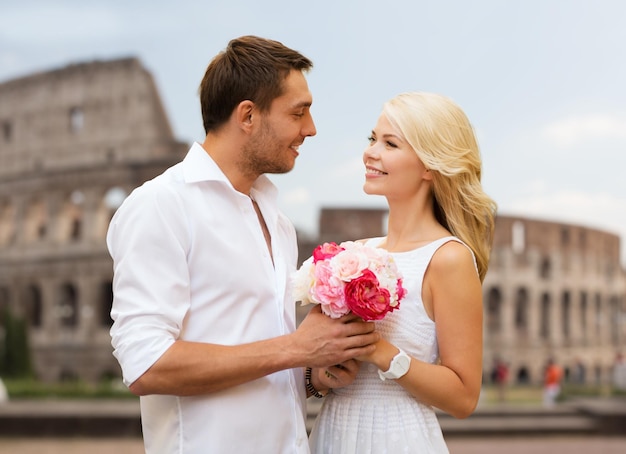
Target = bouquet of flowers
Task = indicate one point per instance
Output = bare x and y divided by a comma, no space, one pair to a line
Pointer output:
350,277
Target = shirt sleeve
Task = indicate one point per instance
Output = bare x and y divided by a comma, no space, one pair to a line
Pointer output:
148,241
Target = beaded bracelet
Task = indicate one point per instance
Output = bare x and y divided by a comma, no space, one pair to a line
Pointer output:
309,386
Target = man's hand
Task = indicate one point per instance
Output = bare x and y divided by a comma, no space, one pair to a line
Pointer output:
326,342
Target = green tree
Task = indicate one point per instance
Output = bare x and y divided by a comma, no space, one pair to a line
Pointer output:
15,355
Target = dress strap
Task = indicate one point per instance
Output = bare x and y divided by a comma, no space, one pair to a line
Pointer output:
430,247
441,241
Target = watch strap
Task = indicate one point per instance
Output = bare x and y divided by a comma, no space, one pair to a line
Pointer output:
390,373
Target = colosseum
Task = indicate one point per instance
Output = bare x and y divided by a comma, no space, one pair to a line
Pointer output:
73,142
76,140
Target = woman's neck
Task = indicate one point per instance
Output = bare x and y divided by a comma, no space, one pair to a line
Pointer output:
411,227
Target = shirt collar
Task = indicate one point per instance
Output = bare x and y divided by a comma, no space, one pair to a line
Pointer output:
199,166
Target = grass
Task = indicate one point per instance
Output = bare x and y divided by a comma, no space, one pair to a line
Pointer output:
533,395
33,389
516,395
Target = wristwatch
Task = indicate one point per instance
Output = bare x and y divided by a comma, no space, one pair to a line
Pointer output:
399,366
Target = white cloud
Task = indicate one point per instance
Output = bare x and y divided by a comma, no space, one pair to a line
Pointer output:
57,23
572,130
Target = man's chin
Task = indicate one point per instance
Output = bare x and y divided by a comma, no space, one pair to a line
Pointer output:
284,168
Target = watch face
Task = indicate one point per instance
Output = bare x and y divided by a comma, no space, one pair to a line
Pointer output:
404,362
401,365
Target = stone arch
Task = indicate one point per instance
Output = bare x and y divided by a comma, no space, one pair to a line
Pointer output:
598,319
67,306
545,269
494,311
33,305
35,221
583,316
106,300
76,119
68,374
545,318
518,237
566,314
7,223
71,220
521,312
5,300
614,320
110,202
523,375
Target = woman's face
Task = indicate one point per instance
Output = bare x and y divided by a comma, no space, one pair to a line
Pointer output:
392,168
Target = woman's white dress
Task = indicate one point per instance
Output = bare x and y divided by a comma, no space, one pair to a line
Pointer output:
372,416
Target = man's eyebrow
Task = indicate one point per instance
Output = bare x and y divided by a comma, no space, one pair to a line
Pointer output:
303,104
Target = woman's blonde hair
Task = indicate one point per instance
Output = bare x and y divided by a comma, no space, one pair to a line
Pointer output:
444,140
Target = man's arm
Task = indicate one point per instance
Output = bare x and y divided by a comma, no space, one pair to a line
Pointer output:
193,368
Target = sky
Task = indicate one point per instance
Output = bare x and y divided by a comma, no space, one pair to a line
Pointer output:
542,81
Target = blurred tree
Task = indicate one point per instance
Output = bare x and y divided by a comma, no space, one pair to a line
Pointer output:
15,355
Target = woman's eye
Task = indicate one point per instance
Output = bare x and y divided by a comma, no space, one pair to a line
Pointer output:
371,139
391,145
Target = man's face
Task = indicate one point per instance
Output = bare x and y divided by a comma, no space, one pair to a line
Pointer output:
273,146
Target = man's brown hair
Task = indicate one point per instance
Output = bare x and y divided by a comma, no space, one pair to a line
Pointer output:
250,68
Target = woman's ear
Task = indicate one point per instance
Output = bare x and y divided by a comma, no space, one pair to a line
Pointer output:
427,175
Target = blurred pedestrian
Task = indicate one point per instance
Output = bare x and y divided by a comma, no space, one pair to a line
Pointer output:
4,394
553,375
580,372
501,378
619,372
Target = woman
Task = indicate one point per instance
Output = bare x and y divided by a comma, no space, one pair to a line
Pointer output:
424,159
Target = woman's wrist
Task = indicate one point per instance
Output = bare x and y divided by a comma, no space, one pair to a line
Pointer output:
382,356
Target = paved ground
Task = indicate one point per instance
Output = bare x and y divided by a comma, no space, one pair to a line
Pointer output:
550,445
491,445
459,441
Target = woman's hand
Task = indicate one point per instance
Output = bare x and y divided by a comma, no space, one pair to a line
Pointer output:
337,376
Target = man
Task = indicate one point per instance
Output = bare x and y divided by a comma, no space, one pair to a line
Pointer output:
204,323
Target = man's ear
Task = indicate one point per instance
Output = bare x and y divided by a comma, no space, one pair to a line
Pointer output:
245,113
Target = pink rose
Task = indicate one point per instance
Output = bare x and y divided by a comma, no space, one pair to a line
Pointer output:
366,298
335,309
348,264
326,251
328,291
400,290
